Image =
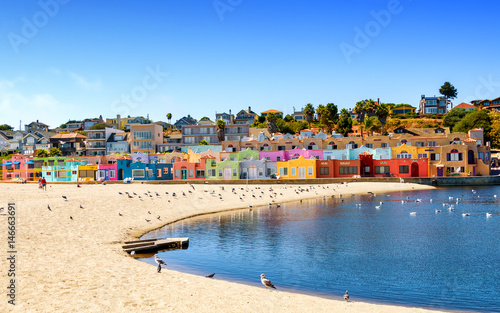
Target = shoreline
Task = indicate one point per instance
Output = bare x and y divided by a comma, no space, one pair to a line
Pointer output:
80,265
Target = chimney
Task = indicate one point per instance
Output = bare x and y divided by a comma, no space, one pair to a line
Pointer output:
249,109
118,120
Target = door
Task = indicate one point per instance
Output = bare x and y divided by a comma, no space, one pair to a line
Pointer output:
227,173
302,172
120,174
414,169
253,173
183,173
440,171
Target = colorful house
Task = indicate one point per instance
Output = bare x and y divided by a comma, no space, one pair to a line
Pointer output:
106,172
87,172
300,168
123,167
346,168
63,172
325,168
19,167
226,170
272,155
306,154
184,170
253,169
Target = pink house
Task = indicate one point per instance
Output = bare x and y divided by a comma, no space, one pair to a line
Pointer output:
106,172
18,166
306,154
278,155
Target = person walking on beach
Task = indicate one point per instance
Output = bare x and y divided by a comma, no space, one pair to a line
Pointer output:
44,183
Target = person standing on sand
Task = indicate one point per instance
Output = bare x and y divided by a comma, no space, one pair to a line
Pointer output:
44,183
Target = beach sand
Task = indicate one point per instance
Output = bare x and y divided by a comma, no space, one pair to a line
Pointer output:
78,265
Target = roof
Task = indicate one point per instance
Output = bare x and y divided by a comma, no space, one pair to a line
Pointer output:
112,137
68,136
464,105
365,153
271,111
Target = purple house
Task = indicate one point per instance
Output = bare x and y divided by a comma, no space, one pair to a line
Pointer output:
144,158
278,155
306,154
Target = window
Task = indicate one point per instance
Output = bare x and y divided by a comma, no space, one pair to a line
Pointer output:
293,171
177,173
435,156
404,169
211,173
420,144
385,145
158,172
369,145
450,169
165,170
283,171
281,148
111,173
220,172
431,144
348,170
310,170
422,155
382,169
75,172
190,172
454,155
200,173
278,158
137,173
403,155
324,170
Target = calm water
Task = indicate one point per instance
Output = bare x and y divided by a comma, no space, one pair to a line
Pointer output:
431,259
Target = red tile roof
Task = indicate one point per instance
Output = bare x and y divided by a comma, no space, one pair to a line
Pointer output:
464,105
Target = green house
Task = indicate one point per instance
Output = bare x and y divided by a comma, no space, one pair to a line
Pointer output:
224,170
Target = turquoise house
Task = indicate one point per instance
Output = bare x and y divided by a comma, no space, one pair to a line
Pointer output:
62,173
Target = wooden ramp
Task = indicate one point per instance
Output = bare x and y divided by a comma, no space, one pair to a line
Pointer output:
153,245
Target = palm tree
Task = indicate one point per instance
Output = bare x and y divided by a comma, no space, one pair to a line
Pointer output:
169,117
359,109
221,134
382,112
309,114
320,112
272,118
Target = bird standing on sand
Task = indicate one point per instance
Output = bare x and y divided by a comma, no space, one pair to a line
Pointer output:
160,262
346,295
64,197
266,282
48,207
210,276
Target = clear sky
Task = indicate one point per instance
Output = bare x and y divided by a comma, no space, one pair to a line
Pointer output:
74,59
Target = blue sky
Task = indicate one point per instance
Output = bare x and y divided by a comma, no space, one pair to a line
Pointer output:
73,59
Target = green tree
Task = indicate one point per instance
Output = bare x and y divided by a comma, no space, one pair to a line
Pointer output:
494,134
344,124
100,126
370,107
261,119
54,152
329,117
41,153
272,119
382,112
309,114
319,111
453,117
169,117
203,143
371,124
475,119
6,127
221,131
448,90
359,109
288,118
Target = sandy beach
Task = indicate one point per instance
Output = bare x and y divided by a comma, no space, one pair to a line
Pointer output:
78,265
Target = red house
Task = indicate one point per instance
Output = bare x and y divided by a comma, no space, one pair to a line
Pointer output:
325,169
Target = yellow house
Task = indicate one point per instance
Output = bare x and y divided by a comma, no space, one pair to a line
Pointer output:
402,110
297,169
87,172
403,151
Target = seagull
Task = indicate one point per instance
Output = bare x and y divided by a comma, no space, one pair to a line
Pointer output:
465,214
48,207
120,214
488,214
346,295
210,276
266,282
64,197
377,207
132,253
438,211
413,213
81,207
71,217
147,220
119,192
160,262
249,206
